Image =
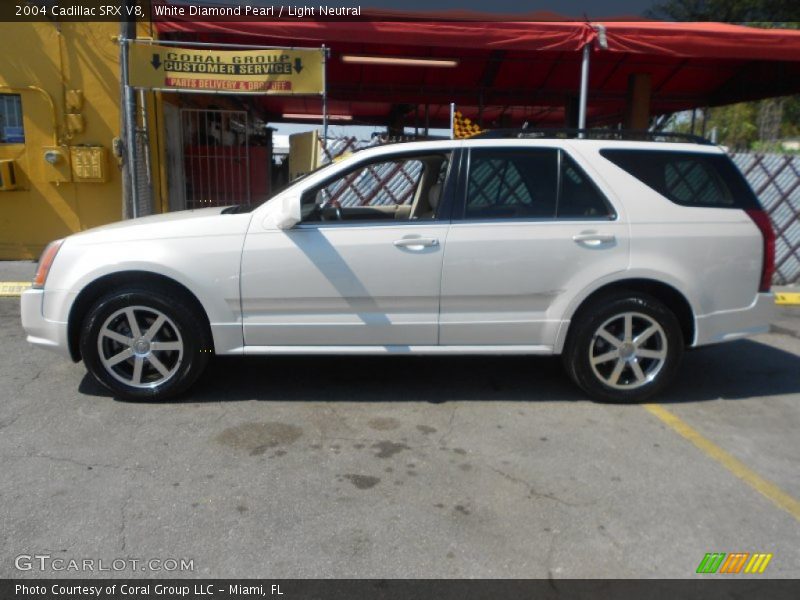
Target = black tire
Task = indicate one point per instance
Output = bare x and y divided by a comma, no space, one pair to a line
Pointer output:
183,328
634,383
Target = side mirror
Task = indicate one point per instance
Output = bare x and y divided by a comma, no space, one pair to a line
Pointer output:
288,214
284,221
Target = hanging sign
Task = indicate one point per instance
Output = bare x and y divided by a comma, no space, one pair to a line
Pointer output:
279,72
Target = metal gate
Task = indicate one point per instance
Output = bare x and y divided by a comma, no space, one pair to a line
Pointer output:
216,157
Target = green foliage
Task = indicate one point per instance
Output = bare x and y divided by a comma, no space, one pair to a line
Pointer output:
790,127
732,11
737,125
745,125
773,147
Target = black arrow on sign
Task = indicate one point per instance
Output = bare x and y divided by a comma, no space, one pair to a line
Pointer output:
156,62
298,64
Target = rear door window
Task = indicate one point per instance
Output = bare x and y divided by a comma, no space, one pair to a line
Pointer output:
531,183
687,178
578,196
512,184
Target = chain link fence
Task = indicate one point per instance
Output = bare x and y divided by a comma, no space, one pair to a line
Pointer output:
775,178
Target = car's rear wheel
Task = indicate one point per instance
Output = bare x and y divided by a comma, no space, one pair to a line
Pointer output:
144,343
624,348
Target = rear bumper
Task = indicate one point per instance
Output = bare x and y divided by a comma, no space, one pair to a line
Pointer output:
42,332
729,325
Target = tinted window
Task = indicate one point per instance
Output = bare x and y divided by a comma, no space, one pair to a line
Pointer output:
578,196
687,178
512,184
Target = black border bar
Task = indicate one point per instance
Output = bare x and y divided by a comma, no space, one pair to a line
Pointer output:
377,10
702,588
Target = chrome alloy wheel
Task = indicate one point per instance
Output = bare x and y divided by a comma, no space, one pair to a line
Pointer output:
628,351
140,346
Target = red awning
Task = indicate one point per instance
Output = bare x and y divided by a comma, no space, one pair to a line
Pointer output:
515,71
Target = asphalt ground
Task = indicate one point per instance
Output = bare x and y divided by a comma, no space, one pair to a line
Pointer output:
403,467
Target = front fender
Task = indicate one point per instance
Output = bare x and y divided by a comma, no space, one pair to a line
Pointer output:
209,269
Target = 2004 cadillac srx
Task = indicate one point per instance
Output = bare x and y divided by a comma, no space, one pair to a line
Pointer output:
615,254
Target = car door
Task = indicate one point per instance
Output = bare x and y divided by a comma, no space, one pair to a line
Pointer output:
532,230
362,268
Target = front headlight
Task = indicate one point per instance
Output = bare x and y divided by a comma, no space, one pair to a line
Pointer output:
45,262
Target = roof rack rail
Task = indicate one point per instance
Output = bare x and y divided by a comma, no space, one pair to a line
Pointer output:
593,134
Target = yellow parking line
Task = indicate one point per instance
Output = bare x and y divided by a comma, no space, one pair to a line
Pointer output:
787,298
734,465
13,288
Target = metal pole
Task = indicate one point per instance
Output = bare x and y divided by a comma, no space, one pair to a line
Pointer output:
452,120
247,158
145,135
584,88
121,147
324,96
129,123
705,121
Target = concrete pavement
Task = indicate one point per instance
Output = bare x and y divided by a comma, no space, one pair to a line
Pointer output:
400,466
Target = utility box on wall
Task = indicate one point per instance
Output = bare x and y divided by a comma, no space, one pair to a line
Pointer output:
89,164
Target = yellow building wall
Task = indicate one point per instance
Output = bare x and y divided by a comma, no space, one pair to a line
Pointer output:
41,62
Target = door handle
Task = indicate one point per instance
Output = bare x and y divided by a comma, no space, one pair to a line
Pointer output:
592,238
416,242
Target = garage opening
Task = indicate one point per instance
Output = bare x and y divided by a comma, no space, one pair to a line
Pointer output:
216,157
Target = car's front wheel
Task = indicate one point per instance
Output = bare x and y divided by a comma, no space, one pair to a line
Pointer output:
144,343
624,348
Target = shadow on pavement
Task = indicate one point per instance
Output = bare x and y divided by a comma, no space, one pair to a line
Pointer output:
735,371
732,371
376,379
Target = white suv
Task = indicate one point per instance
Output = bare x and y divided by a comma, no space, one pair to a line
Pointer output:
615,254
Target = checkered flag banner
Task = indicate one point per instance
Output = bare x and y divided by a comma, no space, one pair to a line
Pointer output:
464,128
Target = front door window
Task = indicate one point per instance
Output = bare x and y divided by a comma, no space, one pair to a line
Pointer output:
397,189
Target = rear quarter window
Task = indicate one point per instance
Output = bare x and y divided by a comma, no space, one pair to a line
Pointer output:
687,178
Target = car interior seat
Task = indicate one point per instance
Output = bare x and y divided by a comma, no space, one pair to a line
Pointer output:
434,196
